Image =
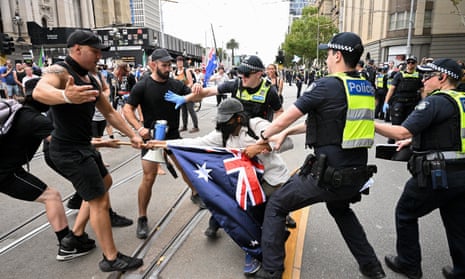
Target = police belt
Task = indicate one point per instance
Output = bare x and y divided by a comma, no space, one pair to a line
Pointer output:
405,99
336,178
421,163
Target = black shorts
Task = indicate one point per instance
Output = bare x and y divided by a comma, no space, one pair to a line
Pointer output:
21,185
82,166
98,127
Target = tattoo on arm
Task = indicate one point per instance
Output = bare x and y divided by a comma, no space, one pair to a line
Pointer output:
54,70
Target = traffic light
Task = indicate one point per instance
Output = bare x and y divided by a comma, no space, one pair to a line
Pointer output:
7,45
280,57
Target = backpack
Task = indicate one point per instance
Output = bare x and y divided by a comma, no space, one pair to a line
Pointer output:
8,109
194,79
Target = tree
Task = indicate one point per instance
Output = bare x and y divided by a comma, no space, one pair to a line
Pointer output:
232,45
305,35
221,54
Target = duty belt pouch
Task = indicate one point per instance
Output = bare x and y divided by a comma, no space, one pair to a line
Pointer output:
437,166
307,165
431,166
416,166
319,169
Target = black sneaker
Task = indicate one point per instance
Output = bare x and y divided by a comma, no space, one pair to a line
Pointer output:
373,270
74,202
210,232
118,220
72,246
197,200
448,272
121,263
142,228
393,263
268,274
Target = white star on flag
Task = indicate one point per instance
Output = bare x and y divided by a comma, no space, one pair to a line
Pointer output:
203,172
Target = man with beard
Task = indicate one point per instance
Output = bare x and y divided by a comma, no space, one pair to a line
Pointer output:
149,95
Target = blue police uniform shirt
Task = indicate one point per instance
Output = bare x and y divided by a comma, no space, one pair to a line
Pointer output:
326,96
431,111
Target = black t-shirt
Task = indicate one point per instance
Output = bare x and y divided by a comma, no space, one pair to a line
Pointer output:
272,99
18,147
326,100
150,95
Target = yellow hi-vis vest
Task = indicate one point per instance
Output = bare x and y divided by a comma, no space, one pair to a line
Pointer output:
359,129
257,97
379,81
459,98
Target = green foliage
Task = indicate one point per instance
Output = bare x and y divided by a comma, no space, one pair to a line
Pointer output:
232,45
305,35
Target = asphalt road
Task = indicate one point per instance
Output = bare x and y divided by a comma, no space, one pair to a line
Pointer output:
29,249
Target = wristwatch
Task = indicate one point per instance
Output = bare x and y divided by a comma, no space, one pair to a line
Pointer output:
261,135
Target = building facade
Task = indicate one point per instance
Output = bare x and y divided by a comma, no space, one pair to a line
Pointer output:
390,32
131,27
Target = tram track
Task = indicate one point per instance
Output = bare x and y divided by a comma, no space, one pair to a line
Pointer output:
35,231
154,267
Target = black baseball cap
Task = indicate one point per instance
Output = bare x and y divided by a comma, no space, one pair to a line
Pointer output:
251,63
345,41
162,55
444,65
227,109
86,38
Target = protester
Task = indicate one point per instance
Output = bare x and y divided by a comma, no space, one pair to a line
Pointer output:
338,171
435,131
73,95
18,147
219,78
186,76
149,95
8,74
234,129
273,75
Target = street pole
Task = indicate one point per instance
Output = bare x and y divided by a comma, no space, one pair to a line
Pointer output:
410,24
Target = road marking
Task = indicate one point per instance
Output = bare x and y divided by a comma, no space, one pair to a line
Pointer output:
295,245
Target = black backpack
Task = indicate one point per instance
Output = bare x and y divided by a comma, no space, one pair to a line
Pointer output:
8,109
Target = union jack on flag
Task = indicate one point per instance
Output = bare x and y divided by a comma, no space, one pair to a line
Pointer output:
229,184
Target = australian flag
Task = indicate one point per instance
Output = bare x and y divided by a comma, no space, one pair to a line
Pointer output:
211,66
229,184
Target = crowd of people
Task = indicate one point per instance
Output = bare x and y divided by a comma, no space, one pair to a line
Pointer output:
423,101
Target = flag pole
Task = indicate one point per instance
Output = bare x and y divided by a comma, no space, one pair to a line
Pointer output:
214,39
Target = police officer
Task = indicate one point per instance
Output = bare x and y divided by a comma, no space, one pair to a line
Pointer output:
381,90
256,93
404,92
438,170
338,170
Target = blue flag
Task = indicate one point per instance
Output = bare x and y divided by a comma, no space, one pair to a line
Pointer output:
229,184
211,66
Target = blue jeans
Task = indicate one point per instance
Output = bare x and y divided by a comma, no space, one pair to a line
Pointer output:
13,90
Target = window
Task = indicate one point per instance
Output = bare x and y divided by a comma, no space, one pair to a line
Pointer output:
400,20
428,19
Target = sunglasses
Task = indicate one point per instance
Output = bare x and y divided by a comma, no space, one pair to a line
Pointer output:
427,76
411,62
248,74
